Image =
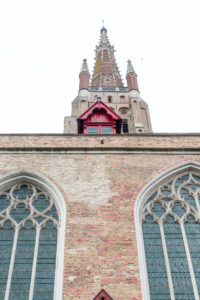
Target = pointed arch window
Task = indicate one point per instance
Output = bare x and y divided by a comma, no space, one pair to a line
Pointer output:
170,222
29,225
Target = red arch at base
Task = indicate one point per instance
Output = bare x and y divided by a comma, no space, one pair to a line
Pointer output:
102,295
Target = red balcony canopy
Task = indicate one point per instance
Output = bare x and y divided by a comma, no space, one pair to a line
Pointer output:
99,119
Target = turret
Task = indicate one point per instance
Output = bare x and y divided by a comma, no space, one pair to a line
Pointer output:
131,77
84,76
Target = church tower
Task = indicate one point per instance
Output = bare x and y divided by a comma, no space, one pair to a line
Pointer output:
106,84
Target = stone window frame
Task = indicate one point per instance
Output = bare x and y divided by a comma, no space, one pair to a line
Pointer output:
141,199
25,176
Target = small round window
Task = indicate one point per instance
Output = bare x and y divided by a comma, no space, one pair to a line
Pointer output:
123,111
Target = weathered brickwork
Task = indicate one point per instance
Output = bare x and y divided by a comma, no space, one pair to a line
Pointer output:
127,142
100,183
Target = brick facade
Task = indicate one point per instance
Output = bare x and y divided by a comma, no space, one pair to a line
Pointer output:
100,178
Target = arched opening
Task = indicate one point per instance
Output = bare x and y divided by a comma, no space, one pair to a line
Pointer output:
168,230
139,131
31,234
125,126
109,99
123,111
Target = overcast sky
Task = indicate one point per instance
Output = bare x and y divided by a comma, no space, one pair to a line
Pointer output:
43,42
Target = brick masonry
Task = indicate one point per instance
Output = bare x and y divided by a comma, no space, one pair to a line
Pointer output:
100,183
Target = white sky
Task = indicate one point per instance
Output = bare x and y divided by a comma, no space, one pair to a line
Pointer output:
43,42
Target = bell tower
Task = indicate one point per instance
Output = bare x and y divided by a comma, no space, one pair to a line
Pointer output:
106,83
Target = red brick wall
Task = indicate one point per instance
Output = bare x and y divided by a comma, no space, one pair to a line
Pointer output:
136,141
100,187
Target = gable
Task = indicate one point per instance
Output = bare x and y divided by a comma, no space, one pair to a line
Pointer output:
98,105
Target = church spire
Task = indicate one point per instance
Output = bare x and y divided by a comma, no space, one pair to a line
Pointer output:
106,72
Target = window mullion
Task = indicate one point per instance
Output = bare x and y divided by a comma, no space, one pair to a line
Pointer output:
189,261
12,260
171,289
34,263
196,197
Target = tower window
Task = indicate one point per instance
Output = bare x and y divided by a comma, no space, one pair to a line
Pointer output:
109,99
124,126
123,111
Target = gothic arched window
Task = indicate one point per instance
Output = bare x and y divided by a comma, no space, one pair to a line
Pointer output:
170,221
29,224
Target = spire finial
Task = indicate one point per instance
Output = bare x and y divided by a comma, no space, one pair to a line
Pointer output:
84,67
104,38
130,68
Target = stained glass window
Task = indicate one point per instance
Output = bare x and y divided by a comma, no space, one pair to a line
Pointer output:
171,232
28,243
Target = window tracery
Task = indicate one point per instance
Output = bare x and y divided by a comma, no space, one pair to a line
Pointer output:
29,222
171,230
